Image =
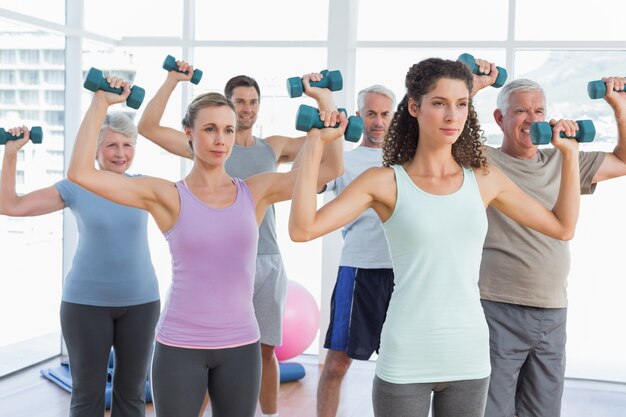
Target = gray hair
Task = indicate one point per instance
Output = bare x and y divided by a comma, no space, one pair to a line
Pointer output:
519,85
120,123
375,89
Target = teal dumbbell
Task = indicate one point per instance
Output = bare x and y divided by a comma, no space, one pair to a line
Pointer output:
541,132
597,89
36,135
170,64
331,80
308,117
95,81
470,63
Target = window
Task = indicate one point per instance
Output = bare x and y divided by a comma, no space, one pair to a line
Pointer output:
7,77
54,57
162,18
54,77
535,21
31,291
7,97
262,20
54,118
7,56
53,10
29,77
29,97
453,20
55,97
29,56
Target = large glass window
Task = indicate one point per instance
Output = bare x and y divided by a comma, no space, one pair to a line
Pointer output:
600,21
261,20
161,18
52,10
31,247
401,20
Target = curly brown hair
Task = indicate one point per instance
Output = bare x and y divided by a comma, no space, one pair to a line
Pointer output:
403,134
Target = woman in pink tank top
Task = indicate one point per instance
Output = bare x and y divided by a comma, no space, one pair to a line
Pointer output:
207,336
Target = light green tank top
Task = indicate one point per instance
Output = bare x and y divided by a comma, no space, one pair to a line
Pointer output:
435,329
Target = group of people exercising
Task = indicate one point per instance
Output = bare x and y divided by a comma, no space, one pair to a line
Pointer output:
453,268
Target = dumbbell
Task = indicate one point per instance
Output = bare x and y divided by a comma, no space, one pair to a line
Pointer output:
36,135
308,117
597,89
470,62
331,80
170,64
95,81
541,132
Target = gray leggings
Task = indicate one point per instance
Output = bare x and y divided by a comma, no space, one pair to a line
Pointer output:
90,332
450,399
181,377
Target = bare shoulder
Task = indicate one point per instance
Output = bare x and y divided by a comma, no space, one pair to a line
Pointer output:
164,190
379,182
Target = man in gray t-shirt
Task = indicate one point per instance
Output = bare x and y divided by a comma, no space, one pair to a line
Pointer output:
523,275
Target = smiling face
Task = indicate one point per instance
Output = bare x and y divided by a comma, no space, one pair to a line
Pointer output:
442,112
523,108
246,101
213,134
115,151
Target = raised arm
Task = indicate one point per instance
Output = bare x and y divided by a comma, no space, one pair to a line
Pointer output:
144,193
149,126
373,189
614,164
331,165
560,222
42,201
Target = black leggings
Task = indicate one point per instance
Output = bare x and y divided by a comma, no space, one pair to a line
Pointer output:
181,377
90,332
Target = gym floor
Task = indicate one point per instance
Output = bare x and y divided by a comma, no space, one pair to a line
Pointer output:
26,393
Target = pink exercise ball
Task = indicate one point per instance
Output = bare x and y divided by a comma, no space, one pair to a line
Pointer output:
301,320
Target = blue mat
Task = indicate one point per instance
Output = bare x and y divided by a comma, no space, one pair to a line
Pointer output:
289,372
61,376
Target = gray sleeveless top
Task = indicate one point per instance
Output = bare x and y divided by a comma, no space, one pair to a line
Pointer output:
244,162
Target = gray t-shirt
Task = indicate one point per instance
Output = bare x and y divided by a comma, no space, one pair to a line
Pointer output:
364,242
519,265
244,162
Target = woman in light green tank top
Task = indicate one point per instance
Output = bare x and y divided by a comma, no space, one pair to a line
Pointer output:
431,196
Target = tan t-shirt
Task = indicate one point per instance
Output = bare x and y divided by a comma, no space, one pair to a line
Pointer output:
519,265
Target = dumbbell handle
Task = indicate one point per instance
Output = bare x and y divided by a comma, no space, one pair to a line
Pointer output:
330,79
470,62
541,132
597,89
96,81
170,65
308,118
36,135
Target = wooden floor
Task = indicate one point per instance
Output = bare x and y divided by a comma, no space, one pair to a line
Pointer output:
27,394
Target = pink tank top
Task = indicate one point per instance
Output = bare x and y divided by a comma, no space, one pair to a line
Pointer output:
209,305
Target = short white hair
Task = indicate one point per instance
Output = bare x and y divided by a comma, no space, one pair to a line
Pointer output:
120,123
375,89
516,86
